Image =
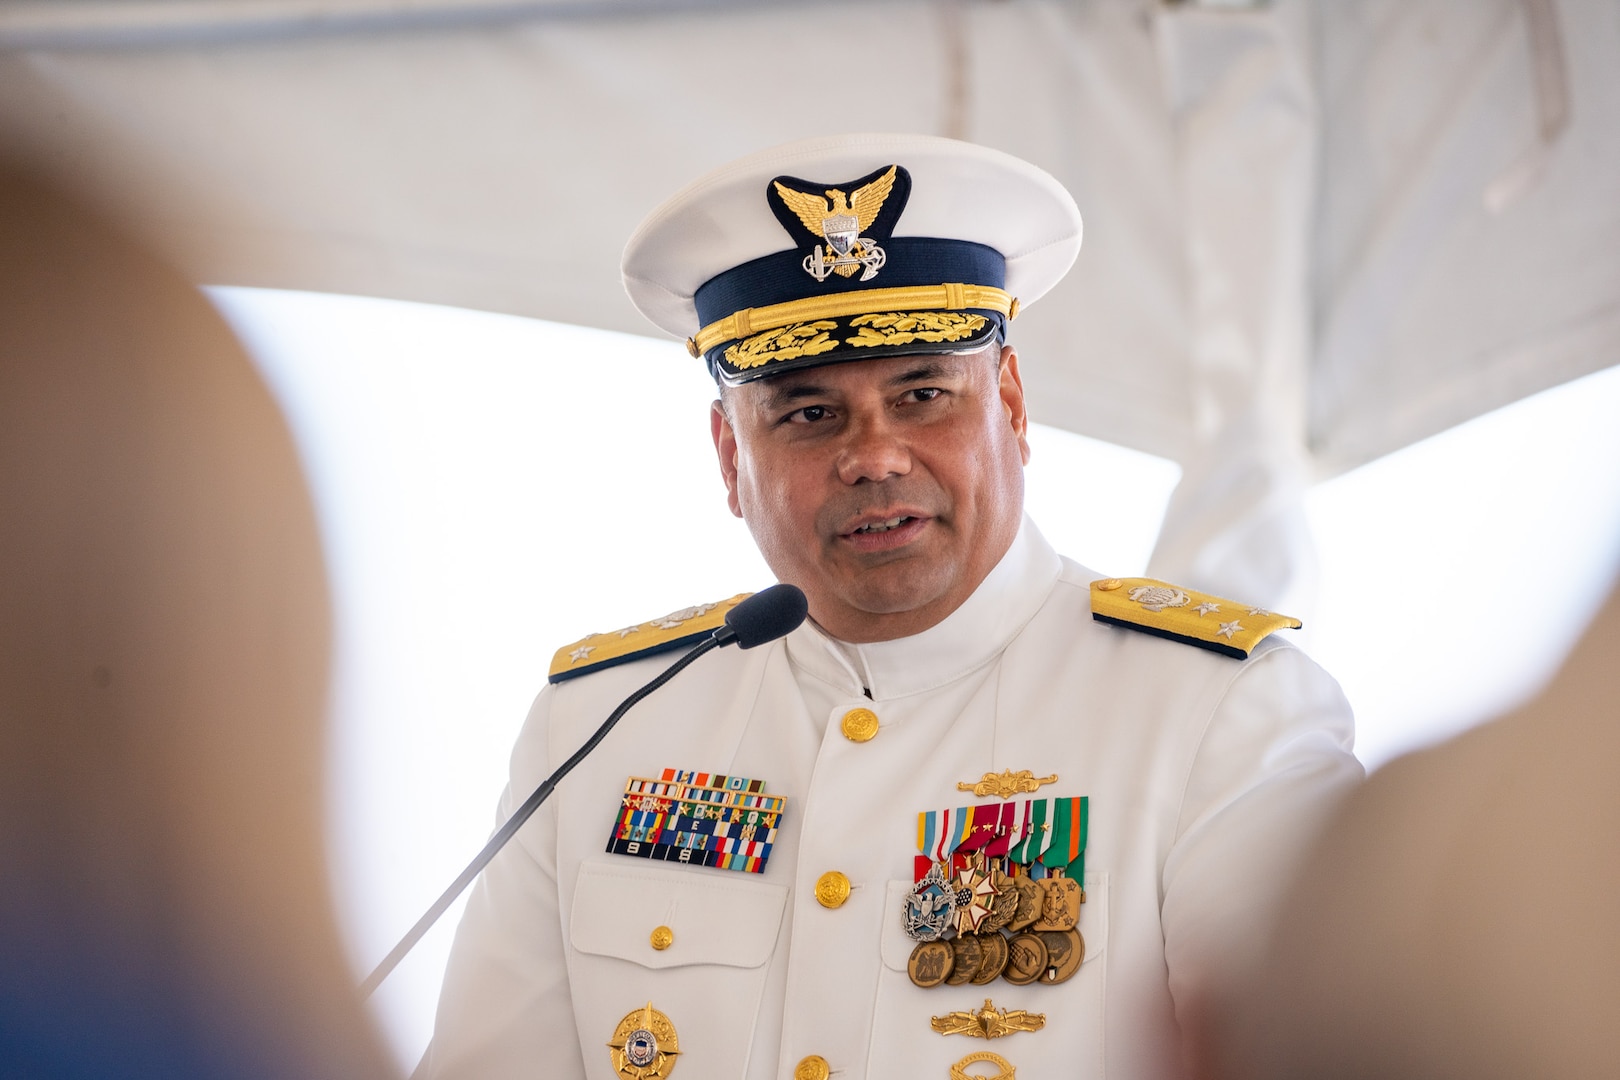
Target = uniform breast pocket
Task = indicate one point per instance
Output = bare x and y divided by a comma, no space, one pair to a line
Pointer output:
693,943
1068,1042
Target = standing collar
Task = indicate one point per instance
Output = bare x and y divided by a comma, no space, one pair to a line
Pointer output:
967,638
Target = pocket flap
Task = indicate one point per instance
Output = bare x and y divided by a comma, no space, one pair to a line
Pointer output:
713,918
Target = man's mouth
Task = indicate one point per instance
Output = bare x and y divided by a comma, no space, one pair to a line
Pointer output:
882,526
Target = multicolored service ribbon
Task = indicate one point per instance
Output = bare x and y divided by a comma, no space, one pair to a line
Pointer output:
699,819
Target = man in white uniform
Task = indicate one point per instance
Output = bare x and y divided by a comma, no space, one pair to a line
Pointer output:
985,812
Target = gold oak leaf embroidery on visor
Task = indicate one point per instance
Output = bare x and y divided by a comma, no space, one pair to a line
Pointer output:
786,343
902,328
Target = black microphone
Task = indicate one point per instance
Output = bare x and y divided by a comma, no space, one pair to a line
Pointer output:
762,618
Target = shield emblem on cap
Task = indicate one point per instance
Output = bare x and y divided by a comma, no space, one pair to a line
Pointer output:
841,231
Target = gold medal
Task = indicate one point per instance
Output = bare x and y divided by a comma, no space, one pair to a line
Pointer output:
1005,906
1066,951
1027,959
1030,898
965,956
930,963
975,898
644,1045
992,958
1060,907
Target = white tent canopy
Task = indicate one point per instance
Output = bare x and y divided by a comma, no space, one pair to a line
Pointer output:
1317,230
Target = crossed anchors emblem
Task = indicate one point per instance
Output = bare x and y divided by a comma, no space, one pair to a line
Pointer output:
839,219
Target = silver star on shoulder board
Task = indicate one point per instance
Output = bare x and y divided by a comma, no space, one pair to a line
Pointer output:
628,630
1205,608
1258,611
582,652
1229,628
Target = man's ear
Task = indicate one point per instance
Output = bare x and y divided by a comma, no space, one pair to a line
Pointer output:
1012,398
725,448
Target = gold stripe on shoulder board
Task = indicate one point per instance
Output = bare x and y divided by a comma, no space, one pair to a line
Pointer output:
597,651
1170,611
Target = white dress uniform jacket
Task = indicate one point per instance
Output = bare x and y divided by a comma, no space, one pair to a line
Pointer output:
1205,775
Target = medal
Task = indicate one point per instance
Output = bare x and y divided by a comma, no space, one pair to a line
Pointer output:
975,898
992,958
930,963
1030,898
1066,951
965,956
930,907
998,893
1006,903
1027,959
1060,904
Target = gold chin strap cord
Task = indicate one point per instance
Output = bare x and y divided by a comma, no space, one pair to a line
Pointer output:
952,296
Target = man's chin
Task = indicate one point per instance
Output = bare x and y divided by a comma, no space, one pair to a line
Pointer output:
893,605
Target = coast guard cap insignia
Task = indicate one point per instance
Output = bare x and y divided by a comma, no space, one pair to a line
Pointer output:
840,222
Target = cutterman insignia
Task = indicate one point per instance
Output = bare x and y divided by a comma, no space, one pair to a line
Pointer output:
1169,611
664,634
1004,1068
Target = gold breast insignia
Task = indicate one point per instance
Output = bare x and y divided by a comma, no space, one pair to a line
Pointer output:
1007,784
1004,1068
644,1045
988,1022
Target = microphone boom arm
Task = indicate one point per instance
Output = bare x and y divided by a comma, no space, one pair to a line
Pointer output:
521,815
767,615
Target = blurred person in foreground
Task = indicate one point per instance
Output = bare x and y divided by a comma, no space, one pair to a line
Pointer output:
1458,918
163,661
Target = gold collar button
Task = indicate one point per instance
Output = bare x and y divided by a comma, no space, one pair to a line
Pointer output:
859,725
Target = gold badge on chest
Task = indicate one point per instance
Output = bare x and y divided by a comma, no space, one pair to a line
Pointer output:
988,1022
1004,1068
644,1045
1007,783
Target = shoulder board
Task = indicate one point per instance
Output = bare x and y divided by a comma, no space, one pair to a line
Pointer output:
687,626
1169,611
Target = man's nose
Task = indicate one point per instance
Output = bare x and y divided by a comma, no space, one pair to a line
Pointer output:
874,450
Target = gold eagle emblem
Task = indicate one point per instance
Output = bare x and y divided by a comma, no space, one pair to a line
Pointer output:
839,218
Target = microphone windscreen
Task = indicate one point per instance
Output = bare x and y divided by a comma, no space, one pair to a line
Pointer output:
767,615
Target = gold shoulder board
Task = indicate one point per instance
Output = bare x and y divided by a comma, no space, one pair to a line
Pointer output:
1169,611
687,626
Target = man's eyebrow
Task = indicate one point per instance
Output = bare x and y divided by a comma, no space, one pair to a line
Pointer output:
786,393
925,371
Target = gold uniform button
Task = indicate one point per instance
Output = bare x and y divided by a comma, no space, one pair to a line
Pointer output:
1109,584
662,938
813,1067
859,725
832,889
